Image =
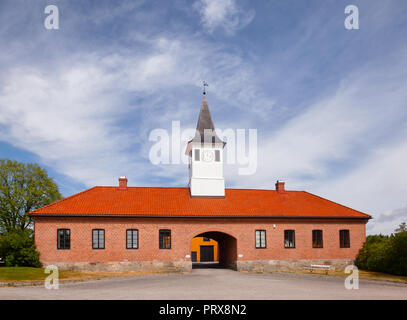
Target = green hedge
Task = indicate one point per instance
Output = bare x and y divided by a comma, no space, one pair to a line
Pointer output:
17,249
384,254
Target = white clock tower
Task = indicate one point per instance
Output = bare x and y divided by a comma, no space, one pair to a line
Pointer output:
206,158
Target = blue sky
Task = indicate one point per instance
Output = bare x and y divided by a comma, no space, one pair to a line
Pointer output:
329,104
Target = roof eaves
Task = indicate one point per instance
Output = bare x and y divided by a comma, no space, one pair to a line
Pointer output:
192,216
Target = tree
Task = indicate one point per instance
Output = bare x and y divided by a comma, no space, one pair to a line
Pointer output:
372,256
385,254
23,188
17,249
402,228
397,252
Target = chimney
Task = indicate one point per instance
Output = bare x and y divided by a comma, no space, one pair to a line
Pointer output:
280,186
122,183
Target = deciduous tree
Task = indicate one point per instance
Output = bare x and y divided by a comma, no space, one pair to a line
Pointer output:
23,187
402,228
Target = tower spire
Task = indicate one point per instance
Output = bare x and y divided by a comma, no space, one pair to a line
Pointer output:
205,157
205,129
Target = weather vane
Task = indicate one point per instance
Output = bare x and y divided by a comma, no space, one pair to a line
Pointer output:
205,84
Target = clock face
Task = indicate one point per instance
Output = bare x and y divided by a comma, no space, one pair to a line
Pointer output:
208,156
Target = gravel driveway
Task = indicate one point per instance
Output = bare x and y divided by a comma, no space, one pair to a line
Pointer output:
213,284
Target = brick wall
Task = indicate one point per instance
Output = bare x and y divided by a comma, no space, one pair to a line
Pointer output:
184,229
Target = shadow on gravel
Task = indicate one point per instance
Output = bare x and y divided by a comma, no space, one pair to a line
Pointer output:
207,265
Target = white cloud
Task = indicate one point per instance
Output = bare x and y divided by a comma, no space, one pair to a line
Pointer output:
378,187
224,14
69,108
341,147
66,118
70,114
394,214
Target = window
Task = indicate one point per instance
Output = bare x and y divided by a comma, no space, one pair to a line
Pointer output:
132,239
217,155
317,239
289,238
98,238
64,239
206,239
260,239
165,239
344,239
197,154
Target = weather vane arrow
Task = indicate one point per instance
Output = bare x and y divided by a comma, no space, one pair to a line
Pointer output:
205,84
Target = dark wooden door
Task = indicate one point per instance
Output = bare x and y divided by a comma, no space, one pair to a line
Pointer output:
206,253
193,256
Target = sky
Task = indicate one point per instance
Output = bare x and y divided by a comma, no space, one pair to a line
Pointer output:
329,104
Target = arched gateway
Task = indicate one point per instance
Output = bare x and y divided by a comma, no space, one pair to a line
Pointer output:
227,248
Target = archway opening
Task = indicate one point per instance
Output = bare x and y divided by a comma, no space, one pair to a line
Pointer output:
213,249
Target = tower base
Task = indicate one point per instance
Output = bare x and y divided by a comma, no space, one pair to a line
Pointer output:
200,187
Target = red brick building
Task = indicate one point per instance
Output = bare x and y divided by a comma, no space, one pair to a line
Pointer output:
150,228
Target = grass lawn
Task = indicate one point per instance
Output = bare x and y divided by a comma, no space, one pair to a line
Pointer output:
27,273
14,274
373,275
362,275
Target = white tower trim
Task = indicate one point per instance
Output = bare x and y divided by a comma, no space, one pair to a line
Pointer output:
205,153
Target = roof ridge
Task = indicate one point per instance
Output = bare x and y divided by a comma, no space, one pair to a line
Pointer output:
263,189
160,187
59,201
314,195
141,187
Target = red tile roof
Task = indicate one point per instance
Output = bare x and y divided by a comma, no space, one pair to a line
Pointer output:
155,201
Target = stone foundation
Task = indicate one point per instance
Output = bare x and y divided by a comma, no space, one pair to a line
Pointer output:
125,266
286,265
186,266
